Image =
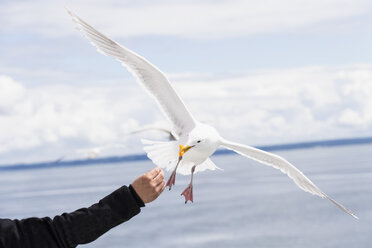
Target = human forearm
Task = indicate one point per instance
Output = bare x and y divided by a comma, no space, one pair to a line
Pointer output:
70,229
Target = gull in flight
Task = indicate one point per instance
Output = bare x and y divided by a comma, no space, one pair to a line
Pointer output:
95,152
196,141
89,153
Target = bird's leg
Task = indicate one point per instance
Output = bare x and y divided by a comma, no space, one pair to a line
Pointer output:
172,178
187,193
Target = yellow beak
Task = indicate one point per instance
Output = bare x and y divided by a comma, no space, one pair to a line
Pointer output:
184,149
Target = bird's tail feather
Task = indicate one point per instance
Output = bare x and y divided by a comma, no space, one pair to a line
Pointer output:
163,154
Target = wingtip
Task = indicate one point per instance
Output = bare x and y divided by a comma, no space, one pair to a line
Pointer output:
355,217
74,17
69,11
341,207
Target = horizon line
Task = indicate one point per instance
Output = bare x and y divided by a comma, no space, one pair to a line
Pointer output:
142,157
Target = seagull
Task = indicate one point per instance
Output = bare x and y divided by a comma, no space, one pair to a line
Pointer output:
94,152
89,153
196,141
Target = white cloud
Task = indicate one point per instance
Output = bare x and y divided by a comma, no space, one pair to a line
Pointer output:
190,19
274,106
262,107
10,93
66,117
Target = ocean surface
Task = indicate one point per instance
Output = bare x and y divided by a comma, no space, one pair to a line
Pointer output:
246,205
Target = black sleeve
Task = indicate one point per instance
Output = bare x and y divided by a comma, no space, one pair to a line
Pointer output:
70,229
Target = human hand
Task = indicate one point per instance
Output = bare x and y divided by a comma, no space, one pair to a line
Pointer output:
150,185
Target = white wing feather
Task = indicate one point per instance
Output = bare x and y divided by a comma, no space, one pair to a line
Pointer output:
284,166
150,77
185,167
145,129
163,154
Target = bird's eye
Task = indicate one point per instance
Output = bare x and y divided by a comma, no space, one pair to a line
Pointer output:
198,141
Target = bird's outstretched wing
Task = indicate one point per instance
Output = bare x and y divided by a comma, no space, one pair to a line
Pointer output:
284,166
150,77
145,129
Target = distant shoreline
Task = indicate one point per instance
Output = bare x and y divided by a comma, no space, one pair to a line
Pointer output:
141,157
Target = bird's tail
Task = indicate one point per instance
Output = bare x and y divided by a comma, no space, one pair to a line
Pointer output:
163,154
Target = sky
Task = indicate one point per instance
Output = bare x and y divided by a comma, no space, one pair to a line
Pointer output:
261,72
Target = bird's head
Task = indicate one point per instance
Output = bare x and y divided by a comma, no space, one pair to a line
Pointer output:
203,139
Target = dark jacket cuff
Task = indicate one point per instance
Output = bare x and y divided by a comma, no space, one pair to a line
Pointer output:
138,199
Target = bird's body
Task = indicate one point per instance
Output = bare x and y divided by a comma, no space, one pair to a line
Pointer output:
205,141
166,154
195,142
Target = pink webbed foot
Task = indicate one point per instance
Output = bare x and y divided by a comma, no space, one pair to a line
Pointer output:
187,193
171,180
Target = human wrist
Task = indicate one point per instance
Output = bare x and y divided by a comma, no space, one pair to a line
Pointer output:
138,199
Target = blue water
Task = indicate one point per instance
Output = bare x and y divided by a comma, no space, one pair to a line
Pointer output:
246,205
